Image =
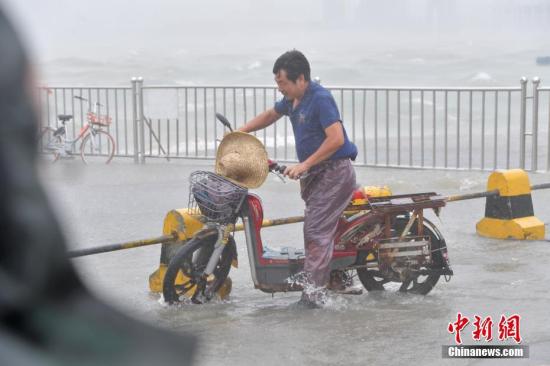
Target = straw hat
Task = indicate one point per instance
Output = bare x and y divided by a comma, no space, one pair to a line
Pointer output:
242,158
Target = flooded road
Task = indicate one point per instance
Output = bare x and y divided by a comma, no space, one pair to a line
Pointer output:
99,205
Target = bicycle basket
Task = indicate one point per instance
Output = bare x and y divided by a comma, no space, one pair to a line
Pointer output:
103,120
217,198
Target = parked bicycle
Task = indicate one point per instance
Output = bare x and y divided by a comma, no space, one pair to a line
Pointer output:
95,141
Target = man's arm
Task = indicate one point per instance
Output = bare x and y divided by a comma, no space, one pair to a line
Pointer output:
333,141
261,121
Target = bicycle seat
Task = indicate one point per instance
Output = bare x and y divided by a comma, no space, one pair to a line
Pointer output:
65,117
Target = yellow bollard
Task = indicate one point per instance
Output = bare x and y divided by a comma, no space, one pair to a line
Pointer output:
185,224
510,215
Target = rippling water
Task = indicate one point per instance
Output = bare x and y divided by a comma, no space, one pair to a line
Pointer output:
99,205
357,61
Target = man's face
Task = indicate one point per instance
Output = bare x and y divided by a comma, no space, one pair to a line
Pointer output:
288,88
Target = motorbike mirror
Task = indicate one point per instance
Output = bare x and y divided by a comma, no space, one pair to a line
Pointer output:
271,164
224,121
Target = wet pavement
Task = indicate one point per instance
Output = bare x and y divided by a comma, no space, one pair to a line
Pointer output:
100,205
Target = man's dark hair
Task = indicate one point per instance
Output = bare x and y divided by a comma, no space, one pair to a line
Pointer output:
294,63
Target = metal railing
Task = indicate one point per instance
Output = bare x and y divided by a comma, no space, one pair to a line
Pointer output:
483,128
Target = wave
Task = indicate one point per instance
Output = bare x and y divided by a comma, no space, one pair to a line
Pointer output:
482,76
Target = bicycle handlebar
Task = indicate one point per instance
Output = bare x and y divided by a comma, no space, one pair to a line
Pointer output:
85,100
275,167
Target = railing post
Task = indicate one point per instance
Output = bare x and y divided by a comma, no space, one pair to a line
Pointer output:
522,120
135,112
141,119
535,128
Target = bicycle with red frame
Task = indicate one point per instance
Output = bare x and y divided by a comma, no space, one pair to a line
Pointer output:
95,141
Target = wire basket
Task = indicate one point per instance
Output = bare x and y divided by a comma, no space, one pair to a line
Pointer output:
217,198
103,120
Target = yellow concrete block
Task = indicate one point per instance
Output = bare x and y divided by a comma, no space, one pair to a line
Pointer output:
525,228
512,182
184,221
157,277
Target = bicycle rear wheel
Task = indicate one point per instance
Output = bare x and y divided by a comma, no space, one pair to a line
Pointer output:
49,143
417,284
100,144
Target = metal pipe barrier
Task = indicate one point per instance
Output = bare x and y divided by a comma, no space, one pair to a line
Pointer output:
128,245
464,128
176,237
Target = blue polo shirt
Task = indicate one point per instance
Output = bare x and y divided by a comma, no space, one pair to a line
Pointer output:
316,111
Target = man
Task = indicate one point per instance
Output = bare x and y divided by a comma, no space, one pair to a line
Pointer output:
324,152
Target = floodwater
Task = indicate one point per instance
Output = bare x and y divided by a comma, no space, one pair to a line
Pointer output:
199,45
99,205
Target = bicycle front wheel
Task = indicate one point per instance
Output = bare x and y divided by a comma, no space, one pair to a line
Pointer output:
98,144
184,276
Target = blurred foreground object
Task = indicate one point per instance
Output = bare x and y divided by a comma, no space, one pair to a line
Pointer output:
47,317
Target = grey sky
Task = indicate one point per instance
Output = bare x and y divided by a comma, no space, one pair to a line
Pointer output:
65,27
132,34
